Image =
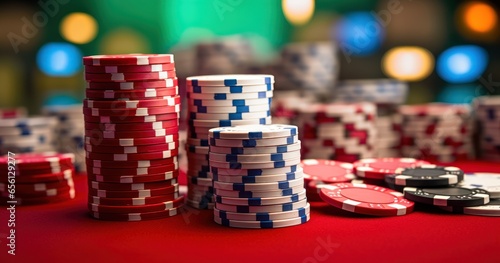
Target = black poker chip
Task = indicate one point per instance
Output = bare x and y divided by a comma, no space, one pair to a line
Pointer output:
426,176
449,196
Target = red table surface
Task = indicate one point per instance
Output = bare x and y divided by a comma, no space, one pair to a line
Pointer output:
64,232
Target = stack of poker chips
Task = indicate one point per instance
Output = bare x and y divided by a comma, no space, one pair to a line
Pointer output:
339,131
487,118
9,113
131,136
310,67
37,178
387,94
286,104
257,179
223,56
439,132
69,132
29,134
220,101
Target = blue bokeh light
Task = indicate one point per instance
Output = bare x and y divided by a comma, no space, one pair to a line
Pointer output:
61,99
359,33
59,59
462,64
459,94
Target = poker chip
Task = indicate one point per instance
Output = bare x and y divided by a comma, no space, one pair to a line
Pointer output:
374,168
262,216
253,142
257,150
11,113
230,96
39,160
366,199
450,196
262,209
490,209
255,172
274,186
230,116
28,134
248,132
226,123
260,201
230,80
229,89
40,200
487,181
487,114
327,171
131,136
263,224
381,91
229,103
258,179
259,194
426,176
252,158
230,109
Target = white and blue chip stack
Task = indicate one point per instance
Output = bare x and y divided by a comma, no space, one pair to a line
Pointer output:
220,101
487,118
27,134
225,55
69,131
387,95
257,178
310,67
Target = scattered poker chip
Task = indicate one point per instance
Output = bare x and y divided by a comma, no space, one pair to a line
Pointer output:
132,85
378,168
131,120
229,89
130,68
274,186
258,179
327,171
132,104
229,109
136,216
133,156
426,176
132,201
303,211
262,209
257,165
450,196
260,150
254,158
232,96
148,208
130,76
257,194
130,164
230,103
254,142
130,142
131,187
366,199
230,116
487,181
132,149
263,224
225,123
254,131
261,201
490,209
133,126
255,172
131,94
230,80
128,59
135,193
134,178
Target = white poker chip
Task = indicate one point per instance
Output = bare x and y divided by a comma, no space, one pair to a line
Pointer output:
254,131
230,80
487,181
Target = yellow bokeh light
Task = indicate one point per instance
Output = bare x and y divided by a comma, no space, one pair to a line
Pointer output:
79,28
408,63
479,17
298,12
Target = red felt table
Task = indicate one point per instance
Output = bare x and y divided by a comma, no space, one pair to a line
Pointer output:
65,233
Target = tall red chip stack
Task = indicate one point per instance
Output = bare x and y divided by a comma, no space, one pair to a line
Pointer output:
131,114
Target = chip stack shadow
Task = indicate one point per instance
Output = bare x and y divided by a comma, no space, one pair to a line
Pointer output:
131,114
220,101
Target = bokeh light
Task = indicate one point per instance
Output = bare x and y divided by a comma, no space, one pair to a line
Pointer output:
359,33
298,12
60,99
59,59
459,94
79,28
124,40
462,64
408,63
479,17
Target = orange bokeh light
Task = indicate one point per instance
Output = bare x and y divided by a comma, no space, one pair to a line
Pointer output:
480,17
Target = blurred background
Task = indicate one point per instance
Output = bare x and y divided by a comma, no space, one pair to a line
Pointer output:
446,50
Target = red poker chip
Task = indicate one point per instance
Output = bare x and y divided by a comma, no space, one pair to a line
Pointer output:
40,200
136,216
128,59
38,186
48,192
123,142
153,93
132,104
132,85
131,112
43,170
98,135
42,178
133,156
378,168
129,76
134,171
129,164
366,199
130,120
133,126
38,160
133,179
149,208
132,201
133,68
327,171
132,149
130,187
135,193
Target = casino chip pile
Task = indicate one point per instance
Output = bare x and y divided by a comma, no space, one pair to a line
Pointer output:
439,132
39,178
257,179
131,114
339,131
27,134
310,67
69,132
284,108
223,56
387,94
9,113
487,116
220,101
